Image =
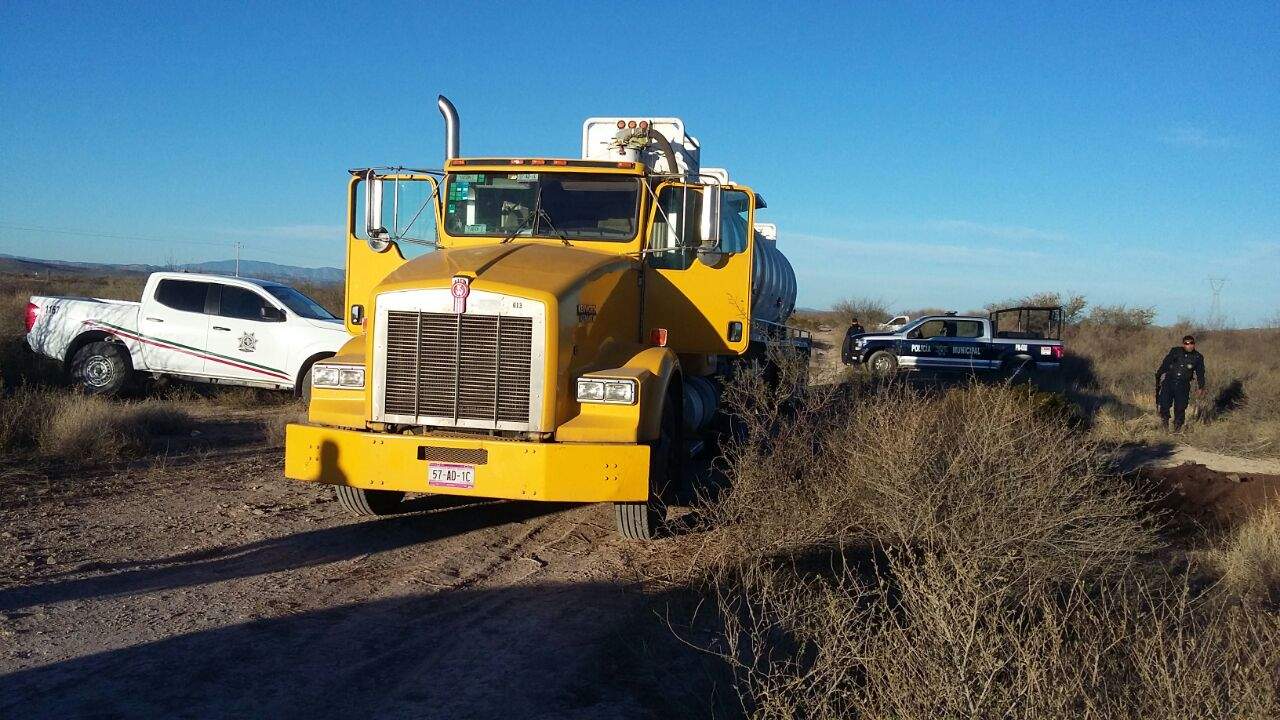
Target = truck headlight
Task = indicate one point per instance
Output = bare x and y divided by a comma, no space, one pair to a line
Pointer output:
350,377
604,390
859,344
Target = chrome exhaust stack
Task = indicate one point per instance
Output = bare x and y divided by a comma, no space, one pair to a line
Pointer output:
451,130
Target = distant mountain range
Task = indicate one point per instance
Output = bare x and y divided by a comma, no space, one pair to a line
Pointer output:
248,268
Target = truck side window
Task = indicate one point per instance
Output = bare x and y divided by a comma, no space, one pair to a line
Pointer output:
968,329
734,211
185,295
241,304
931,329
675,236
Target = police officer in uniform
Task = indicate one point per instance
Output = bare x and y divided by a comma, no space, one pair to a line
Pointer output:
1173,381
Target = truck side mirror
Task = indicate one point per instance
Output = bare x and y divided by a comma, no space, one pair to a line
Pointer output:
709,224
379,239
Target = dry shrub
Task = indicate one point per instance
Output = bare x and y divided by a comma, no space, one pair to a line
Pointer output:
936,636
1249,560
92,428
22,413
1121,318
885,553
868,311
994,470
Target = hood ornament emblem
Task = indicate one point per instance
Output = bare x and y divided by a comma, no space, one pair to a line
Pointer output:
460,290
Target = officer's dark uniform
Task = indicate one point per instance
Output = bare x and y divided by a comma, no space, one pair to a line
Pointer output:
1174,381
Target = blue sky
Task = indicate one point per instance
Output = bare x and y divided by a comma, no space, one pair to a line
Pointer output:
924,154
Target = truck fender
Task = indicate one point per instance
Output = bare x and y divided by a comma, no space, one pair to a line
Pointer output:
667,387
657,372
90,336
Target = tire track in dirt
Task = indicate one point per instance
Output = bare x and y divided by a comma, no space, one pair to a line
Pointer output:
209,586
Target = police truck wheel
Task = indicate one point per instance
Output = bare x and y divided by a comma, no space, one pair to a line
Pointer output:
304,387
364,503
883,362
1018,369
644,520
101,368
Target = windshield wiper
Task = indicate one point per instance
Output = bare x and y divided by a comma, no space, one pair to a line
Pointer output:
539,212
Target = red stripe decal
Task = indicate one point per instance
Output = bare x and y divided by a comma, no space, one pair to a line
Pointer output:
166,346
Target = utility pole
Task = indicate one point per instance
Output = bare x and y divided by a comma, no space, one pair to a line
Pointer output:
237,244
1215,309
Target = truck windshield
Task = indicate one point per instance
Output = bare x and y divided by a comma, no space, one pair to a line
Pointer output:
567,206
299,303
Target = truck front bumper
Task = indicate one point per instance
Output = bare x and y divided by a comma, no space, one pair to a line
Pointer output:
559,472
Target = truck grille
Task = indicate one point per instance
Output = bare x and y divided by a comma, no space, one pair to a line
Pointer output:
458,367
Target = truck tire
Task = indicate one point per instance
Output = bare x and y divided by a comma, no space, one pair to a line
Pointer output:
101,368
882,362
644,520
304,387
364,503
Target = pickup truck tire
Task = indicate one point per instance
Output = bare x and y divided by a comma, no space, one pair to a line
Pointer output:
101,368
304,387
1018,369
645,520
364,503
883,362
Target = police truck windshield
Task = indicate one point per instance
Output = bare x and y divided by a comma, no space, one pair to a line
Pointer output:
564,206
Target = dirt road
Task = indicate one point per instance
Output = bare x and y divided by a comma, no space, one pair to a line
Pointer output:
211,587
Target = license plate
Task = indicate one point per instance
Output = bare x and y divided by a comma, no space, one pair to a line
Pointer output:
451,475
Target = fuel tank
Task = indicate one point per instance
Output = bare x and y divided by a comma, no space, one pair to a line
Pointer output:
773,281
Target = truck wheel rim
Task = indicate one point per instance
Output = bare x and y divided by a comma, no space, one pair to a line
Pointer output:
882,364
97,371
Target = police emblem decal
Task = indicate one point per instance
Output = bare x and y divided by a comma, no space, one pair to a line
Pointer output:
248,343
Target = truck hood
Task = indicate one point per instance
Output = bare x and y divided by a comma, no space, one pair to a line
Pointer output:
512,268
332,325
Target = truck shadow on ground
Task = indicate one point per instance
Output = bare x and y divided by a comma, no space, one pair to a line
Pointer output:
583,650
449,517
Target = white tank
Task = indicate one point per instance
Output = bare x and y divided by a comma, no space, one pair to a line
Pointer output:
773,282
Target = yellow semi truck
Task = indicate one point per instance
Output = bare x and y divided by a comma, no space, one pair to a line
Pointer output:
542,329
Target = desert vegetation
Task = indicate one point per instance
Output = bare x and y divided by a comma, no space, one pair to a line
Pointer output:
970,552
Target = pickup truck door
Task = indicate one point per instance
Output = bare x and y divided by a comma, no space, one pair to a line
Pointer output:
948,344
174,327
248,336
702,301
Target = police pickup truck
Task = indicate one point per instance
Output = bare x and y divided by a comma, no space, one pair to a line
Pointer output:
1013,341
207,328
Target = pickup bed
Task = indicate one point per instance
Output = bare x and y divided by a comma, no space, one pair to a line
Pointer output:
1012,341
208,328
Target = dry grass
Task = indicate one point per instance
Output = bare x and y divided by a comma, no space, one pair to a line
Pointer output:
1249,559
883,553
70,426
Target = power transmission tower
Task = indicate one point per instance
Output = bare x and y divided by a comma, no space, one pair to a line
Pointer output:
1215,309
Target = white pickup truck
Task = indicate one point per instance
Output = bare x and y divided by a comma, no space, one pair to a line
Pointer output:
208,328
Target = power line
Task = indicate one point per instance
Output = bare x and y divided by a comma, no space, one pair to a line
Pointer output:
235,245
1215,309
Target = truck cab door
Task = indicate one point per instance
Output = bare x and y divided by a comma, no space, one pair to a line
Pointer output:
248,337
174,325
701,296
391,219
